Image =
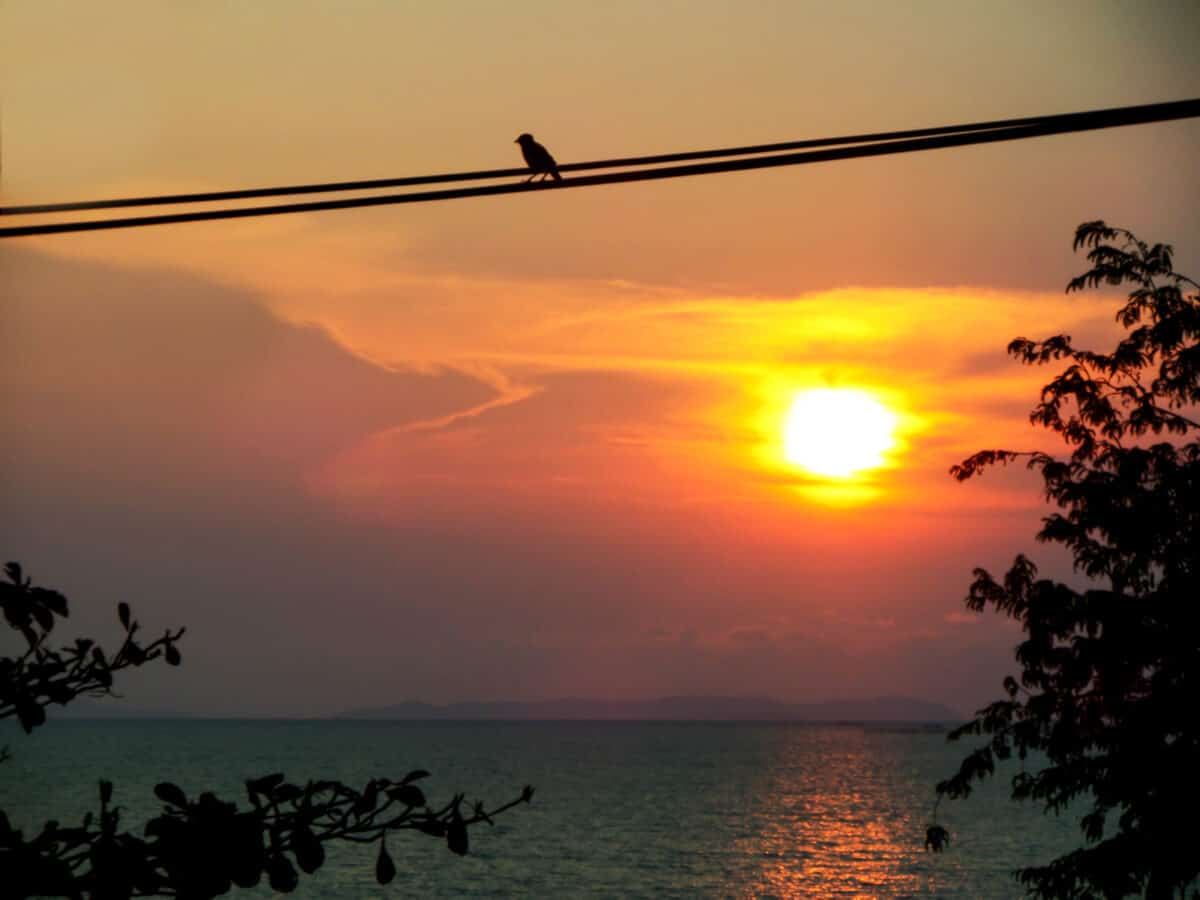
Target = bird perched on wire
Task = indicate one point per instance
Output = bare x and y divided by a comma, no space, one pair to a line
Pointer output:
538,158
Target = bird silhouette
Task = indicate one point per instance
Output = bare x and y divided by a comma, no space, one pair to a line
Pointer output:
538,158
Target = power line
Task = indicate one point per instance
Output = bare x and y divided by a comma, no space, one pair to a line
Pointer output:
949,136
488,174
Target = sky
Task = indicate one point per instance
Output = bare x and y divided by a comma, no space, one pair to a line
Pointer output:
533,446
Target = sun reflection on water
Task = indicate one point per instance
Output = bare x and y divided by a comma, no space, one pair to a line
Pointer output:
830,835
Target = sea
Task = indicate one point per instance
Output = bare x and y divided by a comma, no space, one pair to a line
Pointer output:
621,809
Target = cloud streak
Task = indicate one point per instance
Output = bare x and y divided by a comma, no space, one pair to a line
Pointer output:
299,505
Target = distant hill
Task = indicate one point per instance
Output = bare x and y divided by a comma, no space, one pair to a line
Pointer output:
695,709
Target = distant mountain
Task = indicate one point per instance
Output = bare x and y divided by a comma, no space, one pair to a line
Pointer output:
694,709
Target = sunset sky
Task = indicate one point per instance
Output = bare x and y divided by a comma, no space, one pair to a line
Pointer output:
534,446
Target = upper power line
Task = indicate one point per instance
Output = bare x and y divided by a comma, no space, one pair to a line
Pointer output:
751,157
487,174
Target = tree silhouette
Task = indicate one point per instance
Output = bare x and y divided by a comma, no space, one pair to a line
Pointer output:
198,847
1109,691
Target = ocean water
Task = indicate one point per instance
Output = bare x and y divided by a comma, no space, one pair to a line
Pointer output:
620,810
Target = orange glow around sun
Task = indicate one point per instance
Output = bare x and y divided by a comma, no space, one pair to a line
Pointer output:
838,432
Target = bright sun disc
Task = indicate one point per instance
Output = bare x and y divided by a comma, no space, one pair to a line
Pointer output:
837,432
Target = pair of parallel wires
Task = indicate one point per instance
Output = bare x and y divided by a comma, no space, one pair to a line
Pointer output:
631,169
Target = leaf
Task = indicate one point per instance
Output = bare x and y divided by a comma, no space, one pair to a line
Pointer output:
44,617
456,836
55,601
282,874
368,799
60,692
937,838
170,794
245,872
414,775
105,792
245,850
309,852
287,792
385,869
123,614
30,714
265,784
408,794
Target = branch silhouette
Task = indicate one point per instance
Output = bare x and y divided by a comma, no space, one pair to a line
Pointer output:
42,676
1110,675
202,846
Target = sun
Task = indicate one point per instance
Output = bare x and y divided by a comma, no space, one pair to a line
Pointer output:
838,432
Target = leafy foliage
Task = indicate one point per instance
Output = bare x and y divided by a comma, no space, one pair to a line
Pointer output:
41,676
1109,689
201,847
